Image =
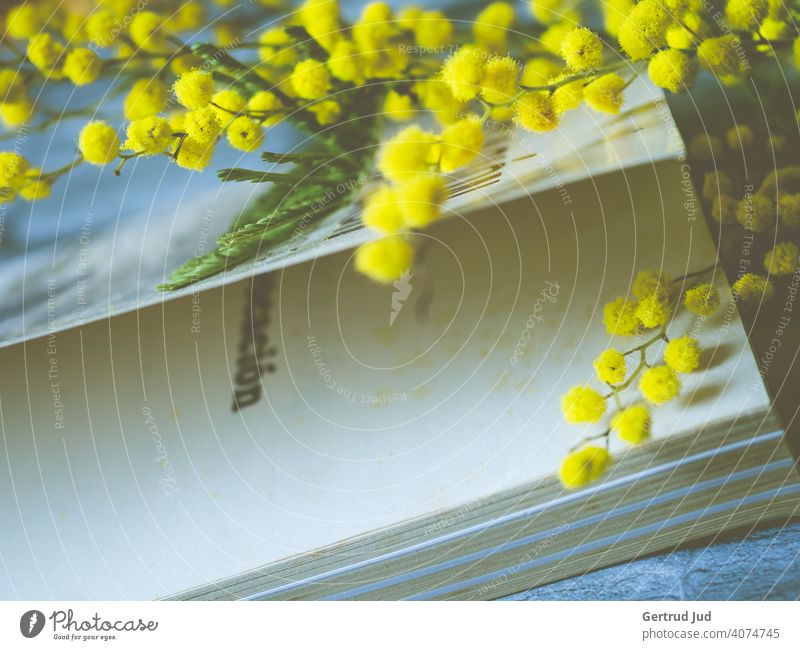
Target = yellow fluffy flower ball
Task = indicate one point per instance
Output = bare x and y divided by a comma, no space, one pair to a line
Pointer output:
101,27
752,288
756,212
739,137
12,87
683,354
583,466
620,319
499,80
382,211
633,424
147,97
276,48
774,30
783,259
435,96
147,31
536,111
659,384
245,134
409,152
568,96
98,143
398,107
432,29
408,16
227,103
194,155
702,300
789,210
649,282
719,56
202,124
13,168
672,69
375,28
310,79
420,199
82,66
610,367
461,143
24,20
463,72
194,89
149,135
685,35
345,63
644,29
605,94
44,52
582,404
386,259
321,20
36,186
491,25
546,11
746,15
326,112
188,16
17,113
582,49
654,310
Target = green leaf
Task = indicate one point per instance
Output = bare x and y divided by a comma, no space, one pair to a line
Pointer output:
321,182
238,175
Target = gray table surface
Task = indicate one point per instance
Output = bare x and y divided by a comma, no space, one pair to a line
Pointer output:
762,564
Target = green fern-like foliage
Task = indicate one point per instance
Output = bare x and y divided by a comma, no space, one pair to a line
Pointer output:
319,183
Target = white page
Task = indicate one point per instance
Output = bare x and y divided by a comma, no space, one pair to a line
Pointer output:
90,511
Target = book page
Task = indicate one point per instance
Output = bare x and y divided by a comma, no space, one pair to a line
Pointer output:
166,448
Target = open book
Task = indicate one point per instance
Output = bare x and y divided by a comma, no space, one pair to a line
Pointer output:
305,433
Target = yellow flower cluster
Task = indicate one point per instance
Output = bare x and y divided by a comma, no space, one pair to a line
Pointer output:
672,69
683,354
756,213
583,404
610,367
414,161
753,288
789,210
582,49
623,317
633,424
583,466
98,143
657,384
13,168
644,29
702,300
784,259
